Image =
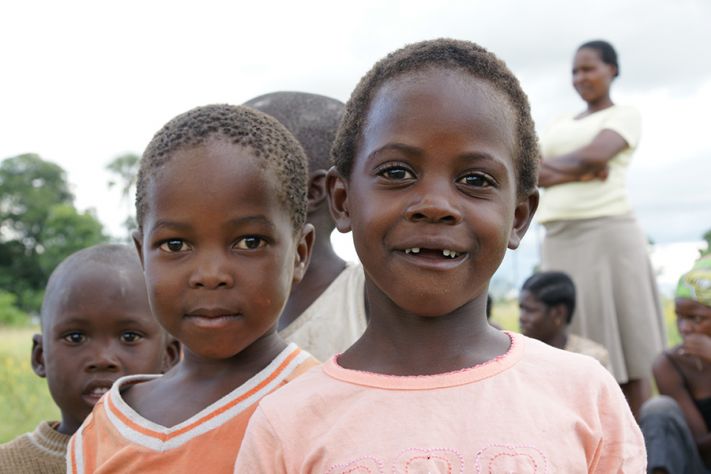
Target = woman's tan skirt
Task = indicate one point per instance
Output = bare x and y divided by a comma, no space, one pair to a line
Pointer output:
617,298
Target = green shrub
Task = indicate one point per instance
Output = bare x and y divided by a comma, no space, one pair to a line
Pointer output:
10,315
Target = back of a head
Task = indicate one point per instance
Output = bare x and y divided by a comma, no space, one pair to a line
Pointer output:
313,119
552,288
113,257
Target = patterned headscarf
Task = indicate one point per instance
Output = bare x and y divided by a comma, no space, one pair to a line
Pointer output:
696,283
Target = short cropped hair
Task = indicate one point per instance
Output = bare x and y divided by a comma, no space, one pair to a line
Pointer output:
277,149
553,288
111,256
312,118
607,53
447,54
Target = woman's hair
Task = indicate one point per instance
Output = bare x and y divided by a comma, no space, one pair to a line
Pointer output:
447,54
553,288
274,147
608,55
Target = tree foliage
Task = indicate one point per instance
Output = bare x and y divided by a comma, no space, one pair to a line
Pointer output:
707,238
39,226
125,171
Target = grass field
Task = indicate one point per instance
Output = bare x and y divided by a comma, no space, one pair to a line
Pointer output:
24,398
25,401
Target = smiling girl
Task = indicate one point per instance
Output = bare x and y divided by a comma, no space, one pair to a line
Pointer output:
435,176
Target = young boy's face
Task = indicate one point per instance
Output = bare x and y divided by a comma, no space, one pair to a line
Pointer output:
219,249
97,327
432,196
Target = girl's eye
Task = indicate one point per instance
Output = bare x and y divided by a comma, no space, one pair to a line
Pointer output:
174,245
130,337
396,173
250,243
476,180
74,337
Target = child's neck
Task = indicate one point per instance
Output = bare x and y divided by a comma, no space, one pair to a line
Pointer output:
244,364
399,343
325,266
198,382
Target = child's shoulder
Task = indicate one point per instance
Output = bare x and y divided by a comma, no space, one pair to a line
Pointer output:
42,449
558,367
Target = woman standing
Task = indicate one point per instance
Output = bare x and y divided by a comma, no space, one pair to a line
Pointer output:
591,233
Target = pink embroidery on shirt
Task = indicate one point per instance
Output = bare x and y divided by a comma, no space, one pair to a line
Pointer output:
426,461
363,465
505,459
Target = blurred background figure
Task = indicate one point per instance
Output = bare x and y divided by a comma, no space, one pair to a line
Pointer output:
676,424
591,232
547,303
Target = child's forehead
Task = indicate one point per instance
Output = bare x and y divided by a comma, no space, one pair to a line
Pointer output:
96,284
442,96
220,154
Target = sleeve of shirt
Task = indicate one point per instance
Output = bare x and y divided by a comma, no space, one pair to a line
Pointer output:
622,449
261,449
627,122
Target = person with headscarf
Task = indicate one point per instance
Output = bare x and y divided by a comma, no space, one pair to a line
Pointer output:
676,424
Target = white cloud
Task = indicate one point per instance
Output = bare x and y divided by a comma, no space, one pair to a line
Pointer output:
86,81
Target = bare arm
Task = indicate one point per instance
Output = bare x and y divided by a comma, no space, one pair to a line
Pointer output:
585,163
670,383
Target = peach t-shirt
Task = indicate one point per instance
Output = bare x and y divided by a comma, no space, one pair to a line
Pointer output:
535,409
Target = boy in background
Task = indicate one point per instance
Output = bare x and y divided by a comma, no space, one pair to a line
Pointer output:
547,302
326,312
96,327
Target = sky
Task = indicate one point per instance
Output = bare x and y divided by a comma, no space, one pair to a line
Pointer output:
84,81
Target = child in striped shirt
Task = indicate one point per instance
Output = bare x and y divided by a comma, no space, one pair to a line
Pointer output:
221,206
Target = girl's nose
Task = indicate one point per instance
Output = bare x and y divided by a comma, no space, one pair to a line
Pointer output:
211,272
434,206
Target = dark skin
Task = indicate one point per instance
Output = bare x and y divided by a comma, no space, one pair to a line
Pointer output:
693,356
325,264
592,79
543,322
434,172
100,329
220,254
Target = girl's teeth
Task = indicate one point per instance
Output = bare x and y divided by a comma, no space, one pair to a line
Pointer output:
100,390
449,253
412,250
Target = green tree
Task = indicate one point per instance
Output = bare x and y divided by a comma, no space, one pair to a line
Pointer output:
707,238
125,171
10,315
39,226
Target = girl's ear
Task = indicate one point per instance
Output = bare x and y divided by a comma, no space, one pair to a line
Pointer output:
338,200
302,257
523,214
37,359
137,237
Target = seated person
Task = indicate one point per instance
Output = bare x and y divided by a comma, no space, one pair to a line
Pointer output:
547,302
325,312
676,424
96,327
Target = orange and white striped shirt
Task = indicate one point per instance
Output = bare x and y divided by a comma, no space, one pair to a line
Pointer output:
115,438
